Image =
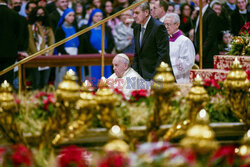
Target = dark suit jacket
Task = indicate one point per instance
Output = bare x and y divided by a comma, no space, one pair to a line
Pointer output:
154,49
54,19
210,33
9,35
238,20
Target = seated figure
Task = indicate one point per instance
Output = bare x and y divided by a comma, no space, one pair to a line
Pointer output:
125,78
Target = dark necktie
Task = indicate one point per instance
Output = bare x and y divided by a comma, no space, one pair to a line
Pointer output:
141,35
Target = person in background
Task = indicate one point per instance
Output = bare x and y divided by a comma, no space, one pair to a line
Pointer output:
170,8
123,34
152,9
120,4
225,42
41,36
210,34
66,28
9,32
108,11
151,42
79,15
91,43
54,16
228,8
182,52
160,8
124,76
42,3
96,3
186,23
240,17
29,7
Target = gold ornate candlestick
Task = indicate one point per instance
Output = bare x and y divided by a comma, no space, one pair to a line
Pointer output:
200,137
67,94
106,101
197,98
116,142
163,90
237,91
85,106
8,111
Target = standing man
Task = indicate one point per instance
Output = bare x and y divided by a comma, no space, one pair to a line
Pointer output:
9,33
161,8
210,33
151,42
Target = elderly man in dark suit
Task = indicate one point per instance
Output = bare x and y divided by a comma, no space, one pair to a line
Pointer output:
151,42
9,33
210,33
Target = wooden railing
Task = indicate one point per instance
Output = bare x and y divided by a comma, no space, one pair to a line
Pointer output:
60,61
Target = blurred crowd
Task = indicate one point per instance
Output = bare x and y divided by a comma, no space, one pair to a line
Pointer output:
45,22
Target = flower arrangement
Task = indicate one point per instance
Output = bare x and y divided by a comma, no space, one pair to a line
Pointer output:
241,44
17,156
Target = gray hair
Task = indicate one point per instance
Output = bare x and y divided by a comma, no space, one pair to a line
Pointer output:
144,6
176,18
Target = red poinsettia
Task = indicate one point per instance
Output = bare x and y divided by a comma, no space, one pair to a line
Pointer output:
46,100
225,155
117,91
138,94
21,156
73,156
114,159
245,29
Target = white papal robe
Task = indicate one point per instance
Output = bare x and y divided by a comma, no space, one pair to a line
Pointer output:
182,56
129,82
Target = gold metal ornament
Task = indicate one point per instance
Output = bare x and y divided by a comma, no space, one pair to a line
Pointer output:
106,101
244,149
164,89
85,106
66,96
237,90
197,98
116,142
8,112
200,137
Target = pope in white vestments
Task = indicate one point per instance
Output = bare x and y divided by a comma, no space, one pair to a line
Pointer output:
125,78
182,52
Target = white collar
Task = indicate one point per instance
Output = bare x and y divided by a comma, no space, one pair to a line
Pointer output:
60,11
145,25
163,18
243,12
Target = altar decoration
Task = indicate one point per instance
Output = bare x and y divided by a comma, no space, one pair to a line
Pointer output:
164,89
237,90
217,74
241,44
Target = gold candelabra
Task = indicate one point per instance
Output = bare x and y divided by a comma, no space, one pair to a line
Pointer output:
66,96
197,98
106,101
8,112
85,107
200,137
237,91
164,89
244,149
